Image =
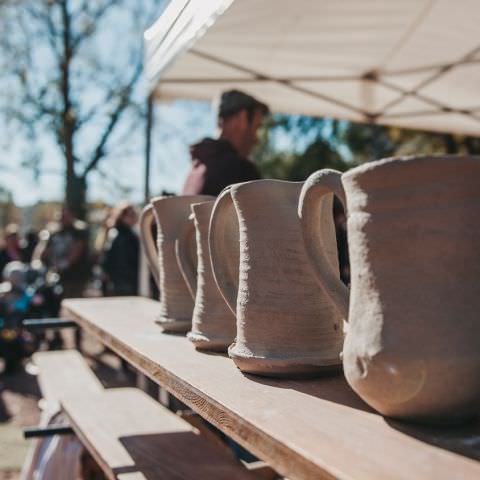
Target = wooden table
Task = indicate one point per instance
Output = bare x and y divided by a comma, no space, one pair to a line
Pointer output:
309,429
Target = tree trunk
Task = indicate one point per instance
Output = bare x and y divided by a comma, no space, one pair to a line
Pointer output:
75,186
76,195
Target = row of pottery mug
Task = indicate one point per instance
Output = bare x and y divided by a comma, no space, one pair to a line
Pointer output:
180,264
278,324
213,324
170,215
412,347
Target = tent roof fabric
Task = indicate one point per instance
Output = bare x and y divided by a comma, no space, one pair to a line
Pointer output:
414,63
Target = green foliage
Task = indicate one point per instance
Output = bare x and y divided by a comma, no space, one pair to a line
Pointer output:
316,143
311,147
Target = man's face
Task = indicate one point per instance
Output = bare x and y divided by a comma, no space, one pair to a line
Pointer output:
242,131
130,217
255,125
251,127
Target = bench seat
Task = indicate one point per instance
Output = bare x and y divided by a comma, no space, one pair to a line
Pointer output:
130,435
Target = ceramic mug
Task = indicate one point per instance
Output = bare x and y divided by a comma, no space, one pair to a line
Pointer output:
412,348
170,214
213,324
259,262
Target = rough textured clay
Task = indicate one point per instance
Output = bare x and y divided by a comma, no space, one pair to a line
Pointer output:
412,348
284,327
171,215
213,323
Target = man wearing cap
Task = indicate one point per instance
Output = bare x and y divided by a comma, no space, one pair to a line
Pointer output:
219,163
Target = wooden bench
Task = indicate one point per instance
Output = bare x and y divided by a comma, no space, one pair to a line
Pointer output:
131,436
64,373
304,429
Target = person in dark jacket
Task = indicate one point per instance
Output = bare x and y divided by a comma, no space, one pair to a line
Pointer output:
121,254
10,247
217,163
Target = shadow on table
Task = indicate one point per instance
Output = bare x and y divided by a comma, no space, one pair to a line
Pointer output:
331,387
109,369
462,439
174,455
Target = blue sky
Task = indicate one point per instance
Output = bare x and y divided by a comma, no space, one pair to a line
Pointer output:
177,125
174,131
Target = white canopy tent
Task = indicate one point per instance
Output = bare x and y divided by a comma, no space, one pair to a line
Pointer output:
410,63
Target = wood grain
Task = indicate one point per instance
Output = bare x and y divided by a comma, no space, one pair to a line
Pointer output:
132,437
304,429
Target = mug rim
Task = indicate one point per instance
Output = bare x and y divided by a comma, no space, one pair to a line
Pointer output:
160,198
202,204
252,183
406,161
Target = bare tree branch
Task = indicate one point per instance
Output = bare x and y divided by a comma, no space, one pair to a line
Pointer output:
61,82
115,116
93,22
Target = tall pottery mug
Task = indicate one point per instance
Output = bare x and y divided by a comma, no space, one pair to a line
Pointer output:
412,348
259,262
213,323
170,214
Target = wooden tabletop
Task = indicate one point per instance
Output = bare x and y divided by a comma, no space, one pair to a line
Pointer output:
309,429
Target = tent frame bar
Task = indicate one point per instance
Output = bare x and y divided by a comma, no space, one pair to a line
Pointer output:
377,77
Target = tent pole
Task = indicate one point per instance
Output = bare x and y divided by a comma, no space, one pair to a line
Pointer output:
144,276
148,146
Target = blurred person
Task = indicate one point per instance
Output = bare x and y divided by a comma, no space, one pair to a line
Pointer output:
121,252
10,249
28,244
63,247
102,234
217,163
100,240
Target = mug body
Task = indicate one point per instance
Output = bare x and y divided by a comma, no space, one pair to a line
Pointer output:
176,304
213,323
412,348
285,326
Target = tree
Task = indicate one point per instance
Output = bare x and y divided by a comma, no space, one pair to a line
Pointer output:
71,71
312,145
316,143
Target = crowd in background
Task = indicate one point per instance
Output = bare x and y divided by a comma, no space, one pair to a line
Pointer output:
106,263
111,261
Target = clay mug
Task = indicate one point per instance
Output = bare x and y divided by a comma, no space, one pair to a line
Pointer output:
170,215
412,347
259,262
213,324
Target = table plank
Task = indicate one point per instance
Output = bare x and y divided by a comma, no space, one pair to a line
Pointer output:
64,373
132,437
304,429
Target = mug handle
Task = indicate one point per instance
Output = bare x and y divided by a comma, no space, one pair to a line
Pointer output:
146,222
185,251
223,227
312,209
